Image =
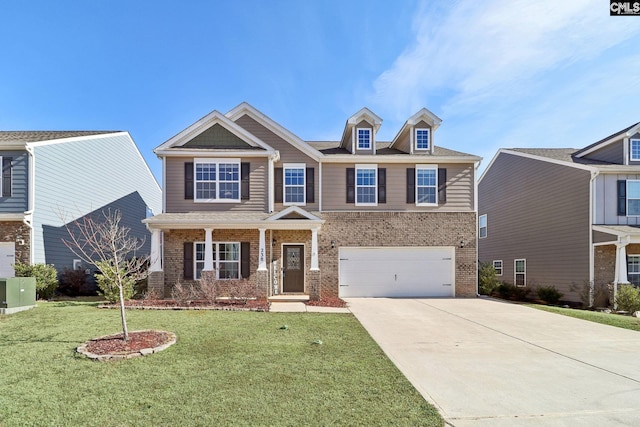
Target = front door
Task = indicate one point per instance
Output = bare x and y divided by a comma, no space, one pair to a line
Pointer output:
293,268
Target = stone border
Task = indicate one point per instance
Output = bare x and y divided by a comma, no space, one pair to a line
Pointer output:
82,349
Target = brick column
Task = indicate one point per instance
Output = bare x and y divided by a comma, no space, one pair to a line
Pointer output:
313,284
262,283
155,283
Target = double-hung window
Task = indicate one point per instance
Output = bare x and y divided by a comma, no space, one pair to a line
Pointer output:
633,197
422,139
634,149
633,269
366,185
426,185
520,272
497,266
294,184
217,180
482,226
226,260
364,138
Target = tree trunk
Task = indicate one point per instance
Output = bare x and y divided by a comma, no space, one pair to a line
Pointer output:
125,332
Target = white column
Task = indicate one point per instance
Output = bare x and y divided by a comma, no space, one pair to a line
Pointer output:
154,258
208,249
621,263
262,252
314,250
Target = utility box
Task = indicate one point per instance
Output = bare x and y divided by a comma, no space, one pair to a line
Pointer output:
17,294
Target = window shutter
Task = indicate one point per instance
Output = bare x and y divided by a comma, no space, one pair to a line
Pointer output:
244,180
6,176
411,185
382,185
442,186
278,184
310,184
351,185
622,197
245,256
188,180
187,268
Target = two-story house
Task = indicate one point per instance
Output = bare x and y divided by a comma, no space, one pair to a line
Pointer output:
564,217
50,178
246,198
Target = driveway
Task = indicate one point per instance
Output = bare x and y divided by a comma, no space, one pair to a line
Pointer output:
483,362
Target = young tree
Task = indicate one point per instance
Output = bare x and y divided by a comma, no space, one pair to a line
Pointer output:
107,245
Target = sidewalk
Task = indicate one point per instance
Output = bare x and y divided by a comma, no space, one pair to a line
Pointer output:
300,307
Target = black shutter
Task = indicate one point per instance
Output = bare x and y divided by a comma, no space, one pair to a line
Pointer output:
244,180
6,177
310,184
277,182
351,185
245,256
382,185
442,186
622,197
411,185
187,265
188,180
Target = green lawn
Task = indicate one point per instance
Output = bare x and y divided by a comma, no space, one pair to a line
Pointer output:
626,322
227,368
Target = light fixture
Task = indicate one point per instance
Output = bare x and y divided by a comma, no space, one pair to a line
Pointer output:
333,244
462,242
273,242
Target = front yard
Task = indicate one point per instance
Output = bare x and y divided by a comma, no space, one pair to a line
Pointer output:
229,368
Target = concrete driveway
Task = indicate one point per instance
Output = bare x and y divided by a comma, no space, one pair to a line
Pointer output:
483,362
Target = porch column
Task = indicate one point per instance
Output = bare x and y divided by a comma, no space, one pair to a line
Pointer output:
155,258
621,268
262,252
208,249
314,249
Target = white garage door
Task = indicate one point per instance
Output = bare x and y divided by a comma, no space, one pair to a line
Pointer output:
397,272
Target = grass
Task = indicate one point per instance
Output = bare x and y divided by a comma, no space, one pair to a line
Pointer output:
227,368
617,320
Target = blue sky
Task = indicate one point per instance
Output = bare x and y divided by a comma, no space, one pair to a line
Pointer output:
540,73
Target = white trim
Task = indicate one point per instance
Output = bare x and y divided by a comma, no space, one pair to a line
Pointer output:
216,262
501,266
303,265
628,274
295,209
373,167
426,167
217,162
422,115
631,141
369,131
398,158
608,141
319,187
515,272
286,166
486,226
627,198
415,132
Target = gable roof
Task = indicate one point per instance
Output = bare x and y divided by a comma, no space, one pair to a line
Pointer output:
362,114
422,115
19,138
200,134
624,133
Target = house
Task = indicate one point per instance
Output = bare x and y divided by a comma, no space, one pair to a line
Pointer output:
50,178
567,218
245,198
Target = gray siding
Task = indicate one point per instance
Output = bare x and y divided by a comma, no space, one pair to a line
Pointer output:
174,187
77,177
606,200
19,200
612,153
460,189
538,211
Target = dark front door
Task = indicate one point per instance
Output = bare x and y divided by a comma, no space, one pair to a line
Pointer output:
293,268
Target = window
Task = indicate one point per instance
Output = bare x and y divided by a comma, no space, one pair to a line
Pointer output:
422,139
294,184
217,180
635,149
497,266
426,185
482,226
226,260
633,197
366,187
633,269
5,179
364,139
520,272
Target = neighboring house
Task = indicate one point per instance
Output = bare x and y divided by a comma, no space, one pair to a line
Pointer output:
561,217
53,177
246,198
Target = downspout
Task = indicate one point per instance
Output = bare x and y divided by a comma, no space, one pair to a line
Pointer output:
475,209
592,201
28,215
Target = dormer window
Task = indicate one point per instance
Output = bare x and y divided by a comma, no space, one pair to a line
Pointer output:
364,139
422,139
635,150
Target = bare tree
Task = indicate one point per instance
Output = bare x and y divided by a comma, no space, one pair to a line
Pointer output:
107,245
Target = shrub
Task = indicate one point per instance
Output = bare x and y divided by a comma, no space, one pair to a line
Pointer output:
207,287
487,281
183,294
45,274
509,291
236,290
106,280
549,294
628,298
73,282
600,293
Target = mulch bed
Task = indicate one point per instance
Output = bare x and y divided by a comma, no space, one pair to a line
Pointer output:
168,304
328,302
139,343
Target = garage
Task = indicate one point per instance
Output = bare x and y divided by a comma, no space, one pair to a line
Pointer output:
397,272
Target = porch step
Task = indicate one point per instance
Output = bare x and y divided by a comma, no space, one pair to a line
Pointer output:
289,298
